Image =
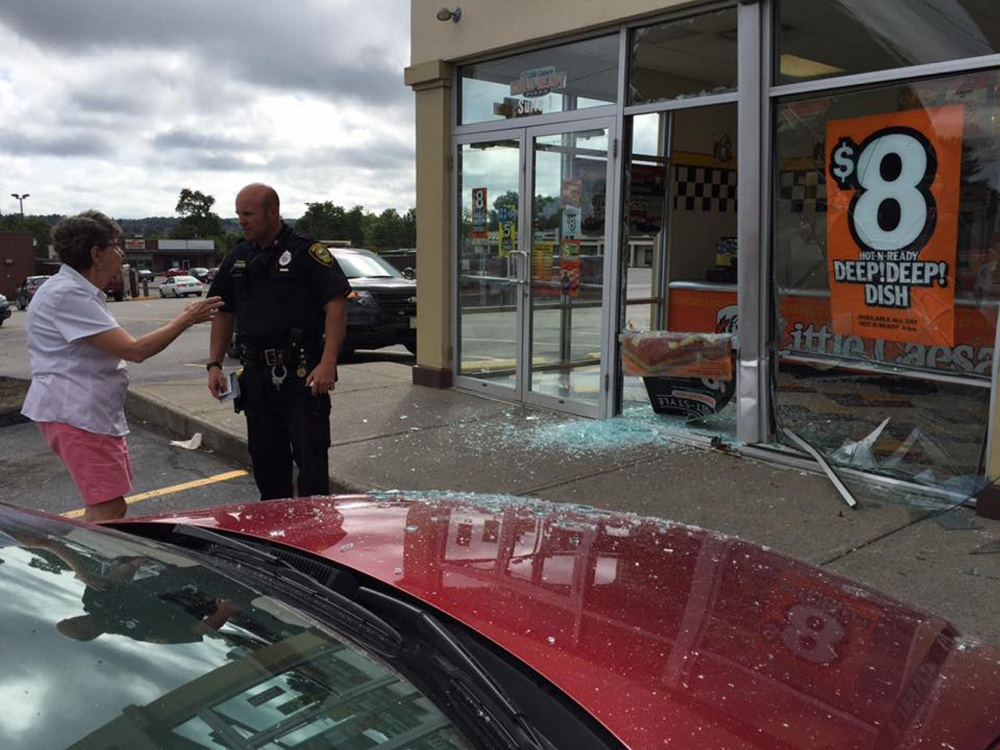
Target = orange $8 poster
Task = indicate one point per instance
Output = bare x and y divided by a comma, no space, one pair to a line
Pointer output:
892,224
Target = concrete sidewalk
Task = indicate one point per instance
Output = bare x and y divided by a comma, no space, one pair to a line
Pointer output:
389,434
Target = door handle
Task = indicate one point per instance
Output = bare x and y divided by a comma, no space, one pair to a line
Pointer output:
520,266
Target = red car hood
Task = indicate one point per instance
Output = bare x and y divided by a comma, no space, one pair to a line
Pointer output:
671,636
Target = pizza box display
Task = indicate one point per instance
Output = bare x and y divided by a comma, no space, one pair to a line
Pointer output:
691,398
688,374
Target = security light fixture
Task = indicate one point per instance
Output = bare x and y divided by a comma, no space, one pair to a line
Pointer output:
449,15
20,199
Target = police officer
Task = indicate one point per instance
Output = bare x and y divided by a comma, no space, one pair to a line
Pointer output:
287,296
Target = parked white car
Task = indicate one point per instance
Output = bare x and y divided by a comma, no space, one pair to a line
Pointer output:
181,286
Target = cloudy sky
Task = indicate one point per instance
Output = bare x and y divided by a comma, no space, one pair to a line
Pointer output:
118,104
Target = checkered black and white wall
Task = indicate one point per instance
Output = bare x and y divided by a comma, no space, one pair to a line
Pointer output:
705,189
713,189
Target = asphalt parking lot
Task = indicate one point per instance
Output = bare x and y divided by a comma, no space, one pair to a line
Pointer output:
167,478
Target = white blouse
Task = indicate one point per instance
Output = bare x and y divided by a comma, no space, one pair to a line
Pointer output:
72,381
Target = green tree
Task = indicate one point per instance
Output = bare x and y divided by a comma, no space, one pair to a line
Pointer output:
409,238
198,221
389,232
324,221
354,223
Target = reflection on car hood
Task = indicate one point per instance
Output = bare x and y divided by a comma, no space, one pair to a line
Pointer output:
668,634
97,627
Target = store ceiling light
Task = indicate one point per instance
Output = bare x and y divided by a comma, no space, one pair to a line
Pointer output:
450,15
794,66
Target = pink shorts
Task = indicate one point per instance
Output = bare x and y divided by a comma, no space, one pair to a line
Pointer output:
99,464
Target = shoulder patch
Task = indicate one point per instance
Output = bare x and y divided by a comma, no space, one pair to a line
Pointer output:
320,253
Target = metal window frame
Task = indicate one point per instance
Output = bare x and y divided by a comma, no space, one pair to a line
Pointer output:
893,75
533,121
773,94
670,105
753,139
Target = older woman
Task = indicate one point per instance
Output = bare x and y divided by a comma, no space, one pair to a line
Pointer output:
77,353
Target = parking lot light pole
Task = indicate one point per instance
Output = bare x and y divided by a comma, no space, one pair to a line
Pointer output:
20,199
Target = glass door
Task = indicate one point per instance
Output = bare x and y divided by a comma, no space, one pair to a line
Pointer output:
531,305
566,313
489,263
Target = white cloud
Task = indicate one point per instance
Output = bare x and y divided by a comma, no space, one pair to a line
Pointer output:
117,105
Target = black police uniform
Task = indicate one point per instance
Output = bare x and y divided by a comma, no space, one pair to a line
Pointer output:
278,294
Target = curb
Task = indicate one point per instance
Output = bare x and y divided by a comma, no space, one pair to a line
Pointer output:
11,417
152,410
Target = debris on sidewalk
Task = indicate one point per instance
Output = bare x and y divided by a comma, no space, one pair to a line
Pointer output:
192,445
954,520
825,466
990,548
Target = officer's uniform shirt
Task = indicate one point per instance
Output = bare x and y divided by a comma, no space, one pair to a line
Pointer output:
278,288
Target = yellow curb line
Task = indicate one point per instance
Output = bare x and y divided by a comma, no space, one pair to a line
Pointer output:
175,488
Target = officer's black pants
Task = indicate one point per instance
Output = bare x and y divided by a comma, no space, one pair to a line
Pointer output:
286,424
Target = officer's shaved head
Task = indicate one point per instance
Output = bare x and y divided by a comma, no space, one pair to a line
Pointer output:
257,208
261,192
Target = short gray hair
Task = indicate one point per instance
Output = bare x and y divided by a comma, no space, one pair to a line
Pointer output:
74,236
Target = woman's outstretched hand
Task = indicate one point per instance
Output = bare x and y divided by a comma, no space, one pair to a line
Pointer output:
201,311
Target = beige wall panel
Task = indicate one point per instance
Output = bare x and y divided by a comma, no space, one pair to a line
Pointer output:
489,25
433,237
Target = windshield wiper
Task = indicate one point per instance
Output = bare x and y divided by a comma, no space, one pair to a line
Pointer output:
464,680
365,626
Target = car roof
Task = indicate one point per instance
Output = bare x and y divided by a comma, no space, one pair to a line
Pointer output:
667,634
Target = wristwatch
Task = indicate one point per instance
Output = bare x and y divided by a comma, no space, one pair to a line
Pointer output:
210,365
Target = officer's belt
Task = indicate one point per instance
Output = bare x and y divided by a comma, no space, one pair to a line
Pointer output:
271,356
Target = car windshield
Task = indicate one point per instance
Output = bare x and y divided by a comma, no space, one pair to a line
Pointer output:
123,642
185,280
356,266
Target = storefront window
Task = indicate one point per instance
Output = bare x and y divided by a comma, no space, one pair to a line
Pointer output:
823,38
556,79
887,268
690,57
679,254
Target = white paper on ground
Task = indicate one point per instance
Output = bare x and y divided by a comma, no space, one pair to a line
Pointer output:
192,445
